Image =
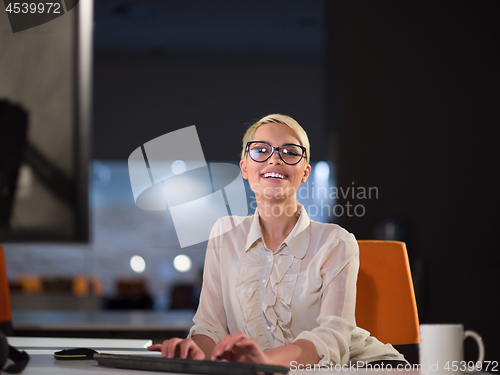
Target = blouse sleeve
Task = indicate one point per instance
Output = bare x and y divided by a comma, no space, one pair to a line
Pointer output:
336,320
210,318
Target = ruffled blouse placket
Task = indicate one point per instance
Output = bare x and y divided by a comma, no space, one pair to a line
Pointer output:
278,295
251,277
264,289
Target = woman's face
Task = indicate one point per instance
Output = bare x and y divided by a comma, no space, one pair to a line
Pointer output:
289,177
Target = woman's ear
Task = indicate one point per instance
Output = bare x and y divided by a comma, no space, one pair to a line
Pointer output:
307,172
243,168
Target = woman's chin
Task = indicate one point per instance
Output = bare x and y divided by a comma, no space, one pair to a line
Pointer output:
278,193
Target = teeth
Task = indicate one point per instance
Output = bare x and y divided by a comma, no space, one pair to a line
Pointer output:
274,175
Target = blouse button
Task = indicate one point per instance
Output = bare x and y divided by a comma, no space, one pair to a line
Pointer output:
268,328
263,280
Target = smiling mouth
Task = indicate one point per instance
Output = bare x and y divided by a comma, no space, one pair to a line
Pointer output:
277,176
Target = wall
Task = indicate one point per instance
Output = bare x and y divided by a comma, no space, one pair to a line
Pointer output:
162,65
138,98
418,112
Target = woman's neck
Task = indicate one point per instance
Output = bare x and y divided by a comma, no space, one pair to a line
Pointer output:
277,220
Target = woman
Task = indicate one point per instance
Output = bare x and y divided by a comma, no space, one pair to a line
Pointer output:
278,288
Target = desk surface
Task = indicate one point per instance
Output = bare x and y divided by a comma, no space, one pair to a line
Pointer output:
102,320
47,365
42,360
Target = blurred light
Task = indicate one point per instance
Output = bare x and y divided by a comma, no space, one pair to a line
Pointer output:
182,263
137,264
178,167
322,170
102,173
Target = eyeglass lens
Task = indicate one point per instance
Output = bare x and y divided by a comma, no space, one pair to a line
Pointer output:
260,151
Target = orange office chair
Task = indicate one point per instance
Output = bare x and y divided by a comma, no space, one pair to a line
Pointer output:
385,303
5,307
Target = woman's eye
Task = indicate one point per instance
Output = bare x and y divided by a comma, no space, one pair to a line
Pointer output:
290,152
261,150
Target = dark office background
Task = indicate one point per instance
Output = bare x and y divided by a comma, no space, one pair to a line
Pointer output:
417,98
399,95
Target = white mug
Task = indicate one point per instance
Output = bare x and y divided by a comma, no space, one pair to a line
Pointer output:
441,349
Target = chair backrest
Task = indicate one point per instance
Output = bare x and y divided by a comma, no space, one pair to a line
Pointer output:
385,303
5,307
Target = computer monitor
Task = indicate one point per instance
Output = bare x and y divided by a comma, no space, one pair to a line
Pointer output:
45,115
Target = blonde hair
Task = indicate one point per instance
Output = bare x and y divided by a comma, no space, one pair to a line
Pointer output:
277,118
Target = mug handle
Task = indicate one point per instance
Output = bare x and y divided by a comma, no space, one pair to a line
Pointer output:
479,342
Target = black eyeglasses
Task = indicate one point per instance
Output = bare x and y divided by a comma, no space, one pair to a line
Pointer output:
261,151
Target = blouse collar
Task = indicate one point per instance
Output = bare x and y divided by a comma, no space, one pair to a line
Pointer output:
298,239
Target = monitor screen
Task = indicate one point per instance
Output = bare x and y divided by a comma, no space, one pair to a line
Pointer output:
45,114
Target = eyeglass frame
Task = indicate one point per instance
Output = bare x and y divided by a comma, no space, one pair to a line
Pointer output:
276,149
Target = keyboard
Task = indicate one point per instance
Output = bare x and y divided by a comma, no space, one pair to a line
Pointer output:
189,366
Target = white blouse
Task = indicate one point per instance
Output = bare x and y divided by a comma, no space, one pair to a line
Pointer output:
304,290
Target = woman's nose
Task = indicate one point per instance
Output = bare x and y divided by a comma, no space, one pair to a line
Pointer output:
275,157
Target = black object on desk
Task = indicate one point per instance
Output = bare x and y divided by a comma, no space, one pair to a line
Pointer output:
76,353
190,366
20,358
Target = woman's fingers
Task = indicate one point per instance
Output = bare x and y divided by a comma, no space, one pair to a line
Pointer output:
184,349
178,348
224,348
155,348
248,351
247,343
237,347
189,349
166,347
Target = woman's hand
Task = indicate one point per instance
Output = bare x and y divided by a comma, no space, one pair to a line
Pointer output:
239,348
179,348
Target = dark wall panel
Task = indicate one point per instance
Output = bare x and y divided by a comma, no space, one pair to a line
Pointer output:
137,100
418,118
